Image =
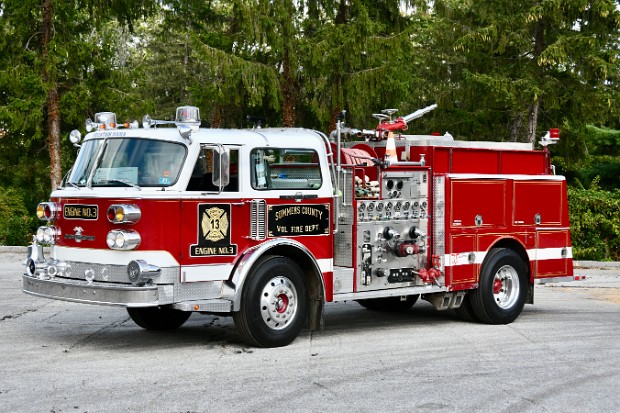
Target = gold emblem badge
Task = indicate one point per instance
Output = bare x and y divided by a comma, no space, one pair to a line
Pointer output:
214,224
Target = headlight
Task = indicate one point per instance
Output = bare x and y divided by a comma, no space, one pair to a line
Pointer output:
124,214
47,211
47,235
123,239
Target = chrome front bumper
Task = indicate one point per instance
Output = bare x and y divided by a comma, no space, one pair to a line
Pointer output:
96,283
98,293
110,284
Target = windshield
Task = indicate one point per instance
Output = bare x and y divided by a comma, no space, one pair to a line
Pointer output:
128,162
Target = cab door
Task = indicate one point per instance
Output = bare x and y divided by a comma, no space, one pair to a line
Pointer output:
214,216
297,205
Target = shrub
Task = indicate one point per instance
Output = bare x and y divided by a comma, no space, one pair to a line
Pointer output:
16,222
595,223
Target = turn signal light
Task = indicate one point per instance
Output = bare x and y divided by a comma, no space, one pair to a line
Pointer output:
47,211
124,214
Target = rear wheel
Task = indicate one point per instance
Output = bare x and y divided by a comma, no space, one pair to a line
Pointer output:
389,304
273,303
501,293
158,318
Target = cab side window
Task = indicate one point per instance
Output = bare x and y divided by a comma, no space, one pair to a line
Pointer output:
285,169
202,179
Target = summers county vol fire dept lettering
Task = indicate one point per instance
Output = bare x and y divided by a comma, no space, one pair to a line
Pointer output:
295,220
213,231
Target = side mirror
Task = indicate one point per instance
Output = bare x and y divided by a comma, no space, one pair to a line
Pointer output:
221,166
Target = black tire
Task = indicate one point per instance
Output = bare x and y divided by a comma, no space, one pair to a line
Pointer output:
502,288
465,311
389,304
274,303
158,318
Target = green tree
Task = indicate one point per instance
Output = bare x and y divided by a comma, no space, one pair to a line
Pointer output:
297,62
363,56
514,69
213,55
600,166
50,56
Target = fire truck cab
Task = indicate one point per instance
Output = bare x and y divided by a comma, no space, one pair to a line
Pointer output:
267,225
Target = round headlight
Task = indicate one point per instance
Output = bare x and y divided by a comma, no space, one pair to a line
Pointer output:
47,235
123,239
111,239
120,239
40,234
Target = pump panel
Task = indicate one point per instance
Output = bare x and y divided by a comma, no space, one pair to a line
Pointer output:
392,233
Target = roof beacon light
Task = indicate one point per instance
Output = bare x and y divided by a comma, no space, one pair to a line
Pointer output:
188,115
107,120
103,120
551,137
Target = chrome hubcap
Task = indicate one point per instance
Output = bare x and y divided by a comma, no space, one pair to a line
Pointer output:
506,287
278,303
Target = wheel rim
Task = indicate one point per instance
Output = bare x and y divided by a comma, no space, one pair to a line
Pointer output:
278,303
506,287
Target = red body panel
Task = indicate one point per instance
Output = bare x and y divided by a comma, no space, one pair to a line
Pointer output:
175,226
158,227
528,215
482,161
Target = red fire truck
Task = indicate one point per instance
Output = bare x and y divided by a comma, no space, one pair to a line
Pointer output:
267,225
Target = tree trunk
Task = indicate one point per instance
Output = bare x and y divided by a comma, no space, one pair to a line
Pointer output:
539,46
53,138
288,93
515,127
332,119
532,121
182,93
53,100
216,123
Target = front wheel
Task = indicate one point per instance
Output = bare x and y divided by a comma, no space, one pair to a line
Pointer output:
273,303
158,318
501,293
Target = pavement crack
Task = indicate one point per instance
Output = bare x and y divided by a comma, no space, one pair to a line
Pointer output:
323,387
13,316
82,342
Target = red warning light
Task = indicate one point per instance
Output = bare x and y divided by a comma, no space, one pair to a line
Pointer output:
554,133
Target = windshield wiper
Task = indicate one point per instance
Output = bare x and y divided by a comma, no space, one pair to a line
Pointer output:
117,181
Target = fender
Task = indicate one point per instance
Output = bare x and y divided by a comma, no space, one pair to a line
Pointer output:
246,262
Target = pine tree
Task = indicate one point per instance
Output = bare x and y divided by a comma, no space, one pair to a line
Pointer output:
48,42
514,69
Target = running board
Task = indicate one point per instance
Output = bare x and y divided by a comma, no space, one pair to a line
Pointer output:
391,292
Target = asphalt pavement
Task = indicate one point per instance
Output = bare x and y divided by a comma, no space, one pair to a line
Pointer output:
561,355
